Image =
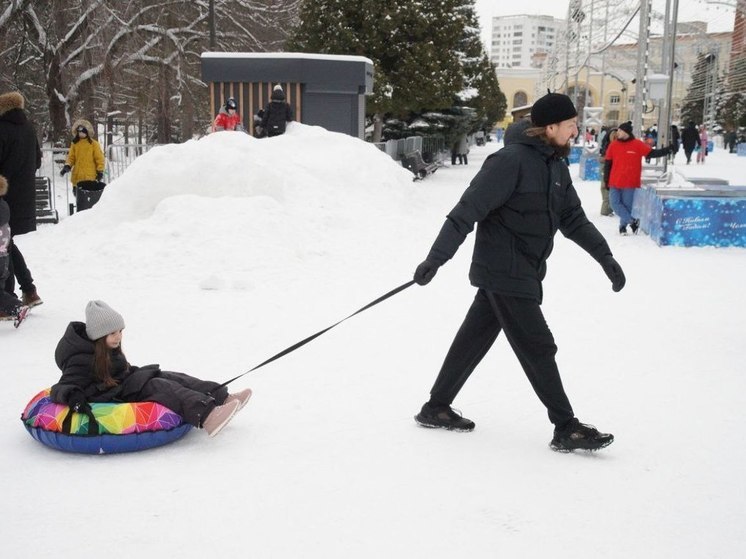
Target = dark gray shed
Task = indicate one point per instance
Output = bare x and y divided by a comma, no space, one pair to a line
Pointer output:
323,89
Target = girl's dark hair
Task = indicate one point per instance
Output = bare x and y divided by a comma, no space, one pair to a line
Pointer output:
102,362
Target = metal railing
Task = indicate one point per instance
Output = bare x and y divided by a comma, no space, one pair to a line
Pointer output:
121,156
432,148
118,158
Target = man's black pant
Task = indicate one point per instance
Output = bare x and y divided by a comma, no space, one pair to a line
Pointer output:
17,269
528,335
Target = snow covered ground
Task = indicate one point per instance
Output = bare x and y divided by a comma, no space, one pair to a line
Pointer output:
223,251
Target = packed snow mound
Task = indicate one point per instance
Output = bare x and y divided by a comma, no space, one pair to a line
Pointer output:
213,211
306,165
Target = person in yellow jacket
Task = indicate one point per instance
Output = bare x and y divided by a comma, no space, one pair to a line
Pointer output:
85,158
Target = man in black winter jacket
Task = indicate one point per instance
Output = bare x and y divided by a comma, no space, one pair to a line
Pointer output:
519,199
690,140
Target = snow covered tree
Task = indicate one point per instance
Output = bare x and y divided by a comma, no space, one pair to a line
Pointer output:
415,47
142,57
481,88
693,105
731,108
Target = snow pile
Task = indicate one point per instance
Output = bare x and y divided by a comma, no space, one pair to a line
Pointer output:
229,202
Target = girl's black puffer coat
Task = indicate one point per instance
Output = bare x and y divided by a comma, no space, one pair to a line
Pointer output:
74,357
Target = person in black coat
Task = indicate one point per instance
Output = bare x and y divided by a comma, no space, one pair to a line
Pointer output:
20,157
94,369
11,308
690,140
521,196
675,142
277,114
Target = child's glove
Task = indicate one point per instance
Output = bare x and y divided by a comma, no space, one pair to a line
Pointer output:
99,175
65,170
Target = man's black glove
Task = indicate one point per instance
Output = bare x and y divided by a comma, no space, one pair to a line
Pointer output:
65,170
99,175
425,272
614,272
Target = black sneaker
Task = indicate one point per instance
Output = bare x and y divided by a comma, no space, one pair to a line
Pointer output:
579,436
622,229
635,225
442,417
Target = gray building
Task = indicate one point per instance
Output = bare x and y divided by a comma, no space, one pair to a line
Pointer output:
323,89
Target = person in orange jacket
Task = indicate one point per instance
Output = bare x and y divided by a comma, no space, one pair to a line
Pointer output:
228,117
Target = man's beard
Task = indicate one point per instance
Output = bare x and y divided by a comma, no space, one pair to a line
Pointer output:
561,150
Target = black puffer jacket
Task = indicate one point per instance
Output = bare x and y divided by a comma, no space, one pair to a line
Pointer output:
20,157
74,356
690,137
521,196
277,114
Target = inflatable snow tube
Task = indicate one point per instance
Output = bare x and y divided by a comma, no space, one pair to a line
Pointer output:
122,427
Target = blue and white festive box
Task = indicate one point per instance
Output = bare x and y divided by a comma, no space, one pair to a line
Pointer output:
714,216
589,169
574,156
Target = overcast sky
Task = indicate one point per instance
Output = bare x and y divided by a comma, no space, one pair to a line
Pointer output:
718,13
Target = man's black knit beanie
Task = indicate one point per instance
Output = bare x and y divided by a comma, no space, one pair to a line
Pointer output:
552,108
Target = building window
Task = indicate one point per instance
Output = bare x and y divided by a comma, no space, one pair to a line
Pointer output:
518,34
519,99
614,99
631,100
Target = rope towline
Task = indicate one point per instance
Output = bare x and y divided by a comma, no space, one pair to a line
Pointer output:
320,332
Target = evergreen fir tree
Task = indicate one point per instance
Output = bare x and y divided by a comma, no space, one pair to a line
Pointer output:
424,52
482,90
693,105
731,109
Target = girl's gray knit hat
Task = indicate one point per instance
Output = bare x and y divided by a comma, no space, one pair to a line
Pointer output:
101,320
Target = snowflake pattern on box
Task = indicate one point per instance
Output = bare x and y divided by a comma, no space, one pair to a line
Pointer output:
692,221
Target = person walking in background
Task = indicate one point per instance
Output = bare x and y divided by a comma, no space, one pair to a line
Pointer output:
463,149
277,113
623,173
675,140
11,308
20,157
609,137
689,139
85,157
94,369
228,117
702,153
730,141
521,196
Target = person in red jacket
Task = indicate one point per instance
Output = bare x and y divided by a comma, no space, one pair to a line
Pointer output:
623,171
228,117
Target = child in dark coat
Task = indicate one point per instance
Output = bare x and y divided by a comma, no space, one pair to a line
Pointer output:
94,369
11,308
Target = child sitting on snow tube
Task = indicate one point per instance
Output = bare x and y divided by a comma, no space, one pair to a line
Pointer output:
94,369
